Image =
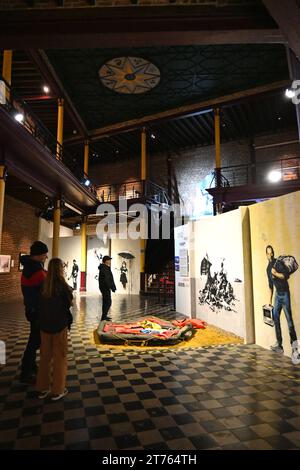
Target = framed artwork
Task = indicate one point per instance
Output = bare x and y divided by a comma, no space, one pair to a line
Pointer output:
20,264
5,261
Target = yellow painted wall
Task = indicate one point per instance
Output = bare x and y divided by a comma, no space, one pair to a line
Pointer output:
277,223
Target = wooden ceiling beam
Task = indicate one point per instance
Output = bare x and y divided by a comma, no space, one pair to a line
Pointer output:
136,27
188,110
287,16
40,59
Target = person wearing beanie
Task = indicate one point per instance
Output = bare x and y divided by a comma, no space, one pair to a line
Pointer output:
33,276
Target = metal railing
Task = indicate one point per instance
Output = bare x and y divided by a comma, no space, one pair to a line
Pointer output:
283,170
133,190
15,105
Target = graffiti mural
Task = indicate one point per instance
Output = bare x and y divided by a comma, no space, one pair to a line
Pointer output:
218,292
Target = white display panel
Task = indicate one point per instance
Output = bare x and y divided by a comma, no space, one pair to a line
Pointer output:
219,267
182,275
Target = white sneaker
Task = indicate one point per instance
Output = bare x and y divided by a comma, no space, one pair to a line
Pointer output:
295,357
277,348
44,394
61,395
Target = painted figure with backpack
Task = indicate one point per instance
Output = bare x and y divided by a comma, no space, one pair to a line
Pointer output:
278,271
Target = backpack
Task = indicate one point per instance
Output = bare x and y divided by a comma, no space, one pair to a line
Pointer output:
289,262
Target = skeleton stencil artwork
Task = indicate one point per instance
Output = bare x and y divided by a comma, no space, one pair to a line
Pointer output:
218,292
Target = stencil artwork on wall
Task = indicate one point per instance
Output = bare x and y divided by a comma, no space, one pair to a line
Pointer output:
99,257
218,292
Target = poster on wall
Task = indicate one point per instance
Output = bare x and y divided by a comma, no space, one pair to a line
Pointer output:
20,267
183,262
5,262
182,270
276,274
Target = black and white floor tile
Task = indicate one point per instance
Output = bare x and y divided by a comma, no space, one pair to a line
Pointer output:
233,397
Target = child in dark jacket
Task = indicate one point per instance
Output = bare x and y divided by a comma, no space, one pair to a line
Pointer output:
55,320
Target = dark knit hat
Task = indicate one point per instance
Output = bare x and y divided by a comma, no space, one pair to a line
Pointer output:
38,248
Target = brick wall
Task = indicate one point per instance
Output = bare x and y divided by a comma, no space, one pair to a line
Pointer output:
192,165
20,230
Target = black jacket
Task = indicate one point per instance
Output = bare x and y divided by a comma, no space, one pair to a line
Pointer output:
106,279
281,285
32,279
54,312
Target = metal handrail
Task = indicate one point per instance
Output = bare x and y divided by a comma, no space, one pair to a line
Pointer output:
249,173
133,190
41,134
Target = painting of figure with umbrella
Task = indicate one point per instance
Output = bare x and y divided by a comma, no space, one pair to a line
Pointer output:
125,269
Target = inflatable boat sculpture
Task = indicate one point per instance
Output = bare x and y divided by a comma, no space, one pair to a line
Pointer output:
148,331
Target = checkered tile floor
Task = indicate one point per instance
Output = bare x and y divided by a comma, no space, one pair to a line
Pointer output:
236,397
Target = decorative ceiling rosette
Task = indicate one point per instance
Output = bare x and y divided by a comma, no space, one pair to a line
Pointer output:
129,75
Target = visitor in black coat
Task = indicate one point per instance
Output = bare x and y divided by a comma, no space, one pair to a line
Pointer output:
106,285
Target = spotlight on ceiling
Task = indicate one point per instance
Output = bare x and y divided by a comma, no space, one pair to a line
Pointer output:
87,182
77,227
19,117
153,136
290,93
46,89
274,176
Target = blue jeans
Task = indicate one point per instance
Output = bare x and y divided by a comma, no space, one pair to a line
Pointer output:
283,301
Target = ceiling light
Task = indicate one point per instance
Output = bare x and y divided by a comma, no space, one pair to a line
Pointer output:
279,118
74,131
87,182
153,136
274,176
19,117
46,89
30,187
77,227
290,93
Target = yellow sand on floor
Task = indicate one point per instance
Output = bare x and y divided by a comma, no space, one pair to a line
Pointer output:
211,336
